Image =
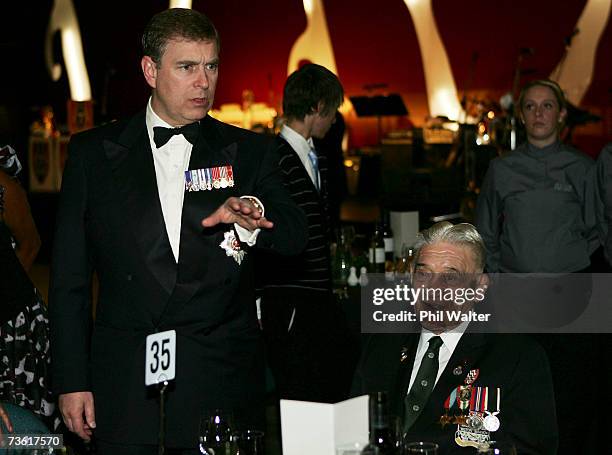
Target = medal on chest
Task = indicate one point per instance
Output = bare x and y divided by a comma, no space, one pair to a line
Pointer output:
209,178
475,430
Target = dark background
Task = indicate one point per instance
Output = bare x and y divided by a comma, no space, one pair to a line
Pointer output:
374,42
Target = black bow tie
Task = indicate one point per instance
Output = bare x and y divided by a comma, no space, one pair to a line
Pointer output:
162,135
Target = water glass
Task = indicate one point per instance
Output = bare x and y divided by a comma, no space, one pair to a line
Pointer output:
248,442
215,432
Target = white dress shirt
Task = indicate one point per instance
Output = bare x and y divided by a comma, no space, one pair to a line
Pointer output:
171,161
302,147
449,343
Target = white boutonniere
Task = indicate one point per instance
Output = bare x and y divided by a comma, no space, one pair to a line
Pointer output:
231,245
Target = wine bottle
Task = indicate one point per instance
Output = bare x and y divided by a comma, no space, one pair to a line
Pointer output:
377,250
388,236
381,436
341,262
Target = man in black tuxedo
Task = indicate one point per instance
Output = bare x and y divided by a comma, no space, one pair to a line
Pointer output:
451,385
165,207
303,325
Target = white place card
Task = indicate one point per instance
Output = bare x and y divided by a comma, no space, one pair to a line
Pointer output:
319,428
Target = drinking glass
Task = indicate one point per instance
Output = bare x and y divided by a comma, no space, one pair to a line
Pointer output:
215,432
248,442
422,448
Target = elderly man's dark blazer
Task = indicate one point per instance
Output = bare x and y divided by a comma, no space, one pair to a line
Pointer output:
515,363
110,220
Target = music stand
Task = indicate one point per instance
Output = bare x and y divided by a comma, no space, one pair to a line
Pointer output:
379,106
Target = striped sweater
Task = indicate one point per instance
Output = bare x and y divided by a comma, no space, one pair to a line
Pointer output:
311,269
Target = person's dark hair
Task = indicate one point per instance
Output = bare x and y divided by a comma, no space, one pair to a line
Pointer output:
176,23
552,85
307,87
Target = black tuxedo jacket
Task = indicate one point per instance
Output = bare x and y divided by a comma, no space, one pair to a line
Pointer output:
515,363
110,220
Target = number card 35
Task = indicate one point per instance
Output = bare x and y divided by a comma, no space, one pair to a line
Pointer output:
160,358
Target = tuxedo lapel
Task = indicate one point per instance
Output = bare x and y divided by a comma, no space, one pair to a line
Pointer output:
406,358
466,356
133,170
198,246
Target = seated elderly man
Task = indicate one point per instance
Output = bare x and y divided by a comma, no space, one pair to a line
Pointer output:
453,386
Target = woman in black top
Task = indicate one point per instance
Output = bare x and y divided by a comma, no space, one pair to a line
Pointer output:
24,326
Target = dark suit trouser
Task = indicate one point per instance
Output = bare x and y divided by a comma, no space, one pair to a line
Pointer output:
313,361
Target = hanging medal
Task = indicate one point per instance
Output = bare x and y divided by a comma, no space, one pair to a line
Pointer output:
470,431
206,179
223,174
475,419
491,421
448,405
197,180
201,179
188,181
230,175
216,178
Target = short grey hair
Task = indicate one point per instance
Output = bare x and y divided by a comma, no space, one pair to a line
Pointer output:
462,234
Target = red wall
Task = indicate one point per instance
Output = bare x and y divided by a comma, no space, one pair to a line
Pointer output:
374,42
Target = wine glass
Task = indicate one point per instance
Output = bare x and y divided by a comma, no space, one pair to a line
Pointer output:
421,448
248,442
215,432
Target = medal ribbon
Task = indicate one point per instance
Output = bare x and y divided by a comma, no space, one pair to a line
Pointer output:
481,398
498,393
471,377
207,179
230,174
451,400
472,398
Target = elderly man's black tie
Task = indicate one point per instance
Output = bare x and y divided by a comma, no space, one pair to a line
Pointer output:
162,135
423,384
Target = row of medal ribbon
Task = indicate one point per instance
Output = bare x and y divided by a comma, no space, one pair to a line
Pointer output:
475,400
208,178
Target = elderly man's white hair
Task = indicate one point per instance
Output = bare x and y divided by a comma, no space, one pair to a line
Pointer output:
462,234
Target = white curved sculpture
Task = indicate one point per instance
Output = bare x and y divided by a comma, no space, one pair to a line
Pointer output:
63,19
314,44
575,71
441,90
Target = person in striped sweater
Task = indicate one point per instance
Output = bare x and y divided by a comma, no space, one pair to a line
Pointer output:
303,325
